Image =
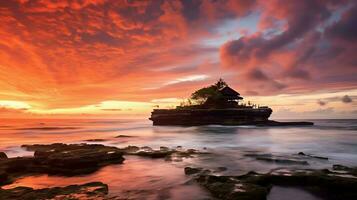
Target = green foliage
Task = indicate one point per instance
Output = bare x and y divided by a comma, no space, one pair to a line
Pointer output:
209,93
220,84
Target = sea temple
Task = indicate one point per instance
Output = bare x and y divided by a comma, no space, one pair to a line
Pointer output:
217,104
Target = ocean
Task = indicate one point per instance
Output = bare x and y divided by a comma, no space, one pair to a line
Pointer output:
145,178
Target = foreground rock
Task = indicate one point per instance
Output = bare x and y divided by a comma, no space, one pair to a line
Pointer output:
3,155
312,156
254,186
279,159
176,154
94,190
77,159
341,169
74,158
61,159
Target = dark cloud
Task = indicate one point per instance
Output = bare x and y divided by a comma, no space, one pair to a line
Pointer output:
191,9
278,85
258,78
102,37
308,52
346,99
301,16
298,73
345,29
321,103
257,74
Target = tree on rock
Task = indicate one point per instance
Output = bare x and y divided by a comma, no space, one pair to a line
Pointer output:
218,95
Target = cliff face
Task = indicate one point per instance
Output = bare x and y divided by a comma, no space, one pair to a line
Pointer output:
191,117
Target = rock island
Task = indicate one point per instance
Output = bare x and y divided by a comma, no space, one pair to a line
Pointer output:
217,104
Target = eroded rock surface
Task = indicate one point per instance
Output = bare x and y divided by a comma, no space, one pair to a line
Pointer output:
175,154
61,159
345,170
280,159
93,190
254,186
78,158
312,156
3,155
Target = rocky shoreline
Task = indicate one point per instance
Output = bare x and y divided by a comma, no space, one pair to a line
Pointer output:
339,182
228,117
93,190
324,183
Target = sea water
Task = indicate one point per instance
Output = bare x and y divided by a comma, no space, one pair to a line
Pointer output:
144,178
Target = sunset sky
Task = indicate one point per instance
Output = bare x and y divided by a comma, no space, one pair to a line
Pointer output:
98,58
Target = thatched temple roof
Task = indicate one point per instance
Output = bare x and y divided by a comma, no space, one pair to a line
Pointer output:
230,93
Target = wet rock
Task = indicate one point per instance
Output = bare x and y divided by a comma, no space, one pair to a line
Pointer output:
191,170
256,186
283,161
196,171
227,188
3,155
74,158
341,168
61,159
312,156
319,157
164,149
175,154
48,147
130,149
3,177
146,148
277,159
93,190
17,165
163,152
349,170
220,169
154,154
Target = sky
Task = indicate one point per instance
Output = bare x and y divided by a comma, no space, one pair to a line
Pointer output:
101,58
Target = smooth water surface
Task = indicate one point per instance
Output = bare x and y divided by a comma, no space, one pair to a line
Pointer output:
142,178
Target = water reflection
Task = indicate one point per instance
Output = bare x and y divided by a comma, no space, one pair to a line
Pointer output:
137,178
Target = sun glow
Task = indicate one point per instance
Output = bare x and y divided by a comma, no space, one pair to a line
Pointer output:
14,105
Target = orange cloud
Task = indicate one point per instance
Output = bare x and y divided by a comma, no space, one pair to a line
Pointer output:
73,54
